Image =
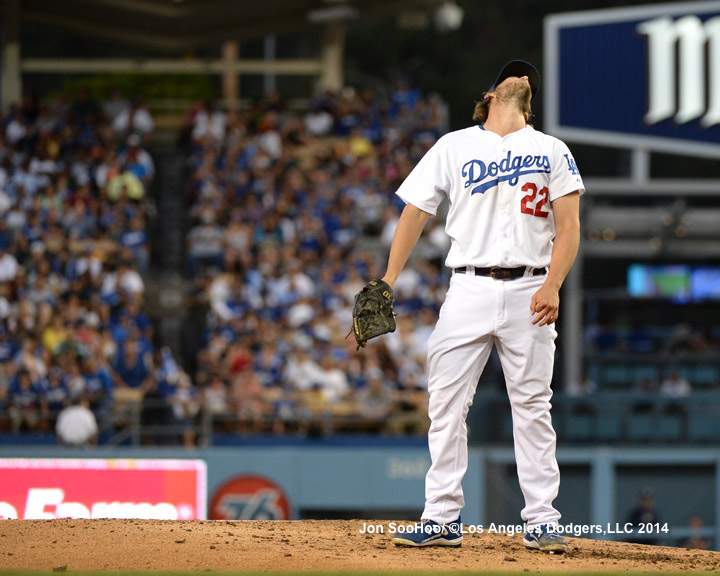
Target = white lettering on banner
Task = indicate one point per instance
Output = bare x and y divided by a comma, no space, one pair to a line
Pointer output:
72,510
405,469
38,499
7,511
144,510
48,503
688,70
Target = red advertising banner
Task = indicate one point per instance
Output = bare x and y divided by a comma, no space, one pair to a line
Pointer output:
40,488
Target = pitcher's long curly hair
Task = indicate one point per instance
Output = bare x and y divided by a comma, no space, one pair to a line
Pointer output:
482,107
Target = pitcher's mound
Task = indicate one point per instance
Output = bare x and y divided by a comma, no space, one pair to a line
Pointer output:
338,545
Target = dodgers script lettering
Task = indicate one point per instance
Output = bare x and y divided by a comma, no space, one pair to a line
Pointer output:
508,169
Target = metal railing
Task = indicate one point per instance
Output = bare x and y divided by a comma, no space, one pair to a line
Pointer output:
615,418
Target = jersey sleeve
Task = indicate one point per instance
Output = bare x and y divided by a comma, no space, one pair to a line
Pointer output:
428,183
565,177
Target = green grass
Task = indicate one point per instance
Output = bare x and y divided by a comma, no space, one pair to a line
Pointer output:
333,573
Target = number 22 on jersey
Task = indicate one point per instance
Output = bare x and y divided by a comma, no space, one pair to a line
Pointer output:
534,202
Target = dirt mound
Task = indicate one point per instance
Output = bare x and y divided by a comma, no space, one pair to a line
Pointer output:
303,545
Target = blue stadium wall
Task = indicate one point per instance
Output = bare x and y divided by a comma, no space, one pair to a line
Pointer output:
599,485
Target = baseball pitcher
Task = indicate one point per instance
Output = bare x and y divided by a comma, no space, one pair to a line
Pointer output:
513,220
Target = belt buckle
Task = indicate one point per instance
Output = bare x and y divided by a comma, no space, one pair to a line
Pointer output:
498,273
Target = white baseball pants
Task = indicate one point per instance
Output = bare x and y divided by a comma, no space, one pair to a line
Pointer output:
480,312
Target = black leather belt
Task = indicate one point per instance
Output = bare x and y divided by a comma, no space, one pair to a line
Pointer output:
498,273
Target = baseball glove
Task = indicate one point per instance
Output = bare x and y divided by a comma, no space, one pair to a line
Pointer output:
373,313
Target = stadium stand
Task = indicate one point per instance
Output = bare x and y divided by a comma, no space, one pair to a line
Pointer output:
74,208
288,213
291,212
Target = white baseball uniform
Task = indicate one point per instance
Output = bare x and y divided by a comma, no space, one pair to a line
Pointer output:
500,191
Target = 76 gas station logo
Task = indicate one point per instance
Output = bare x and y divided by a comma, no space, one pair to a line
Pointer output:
249,498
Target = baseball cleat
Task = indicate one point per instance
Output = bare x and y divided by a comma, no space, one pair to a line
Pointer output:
431,533
546,539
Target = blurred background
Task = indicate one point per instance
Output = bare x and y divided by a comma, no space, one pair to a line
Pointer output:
192,192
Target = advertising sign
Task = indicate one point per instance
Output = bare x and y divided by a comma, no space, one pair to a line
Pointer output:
646,77
249,497
39,488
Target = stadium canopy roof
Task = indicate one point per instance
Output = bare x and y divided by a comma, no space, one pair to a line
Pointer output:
174,25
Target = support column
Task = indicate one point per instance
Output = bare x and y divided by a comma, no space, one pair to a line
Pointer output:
640,165
333,53
230,78
602,491
270,78
11,89
572,331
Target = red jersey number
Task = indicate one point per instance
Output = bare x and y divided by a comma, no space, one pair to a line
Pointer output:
537,198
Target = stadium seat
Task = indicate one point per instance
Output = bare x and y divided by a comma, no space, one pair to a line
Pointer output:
579,427
640,427
609,428
702,428
669,427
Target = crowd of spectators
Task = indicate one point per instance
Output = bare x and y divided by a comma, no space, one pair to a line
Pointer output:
74,211
291,213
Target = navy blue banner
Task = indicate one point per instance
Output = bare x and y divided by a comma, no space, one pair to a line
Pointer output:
653,75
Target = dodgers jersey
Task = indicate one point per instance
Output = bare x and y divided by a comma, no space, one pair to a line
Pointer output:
499,190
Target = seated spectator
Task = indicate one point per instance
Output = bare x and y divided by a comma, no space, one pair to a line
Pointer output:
55,335
126,186
129,281
137,160
318,121
375,400
685,339
135,240
76,424
136,119
237,243
74,378
7,346
8,265
27,405
132,369
333,380
645,512
645,389
184,400
675,386
404,98
116,105
268,364
302,372
98,386
215,397
696,541
209,124
205,245
57,394
248,400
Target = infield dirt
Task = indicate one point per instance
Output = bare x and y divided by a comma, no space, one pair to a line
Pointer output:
337,545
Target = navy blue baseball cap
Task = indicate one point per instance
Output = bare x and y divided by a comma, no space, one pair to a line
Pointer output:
519,68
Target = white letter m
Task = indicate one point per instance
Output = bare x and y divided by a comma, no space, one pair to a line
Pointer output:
691,36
